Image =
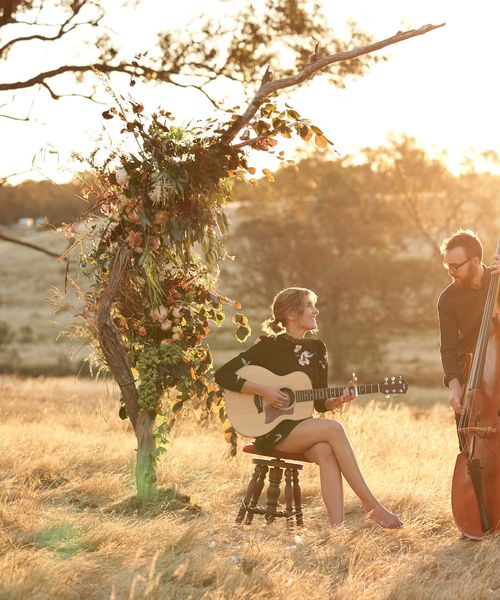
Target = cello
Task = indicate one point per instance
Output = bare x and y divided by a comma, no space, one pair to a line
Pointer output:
475,491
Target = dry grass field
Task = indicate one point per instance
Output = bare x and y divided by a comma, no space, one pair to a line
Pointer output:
70,528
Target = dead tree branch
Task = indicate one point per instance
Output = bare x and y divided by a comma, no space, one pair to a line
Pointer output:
270,87
252,142
128,68
7,238
110,340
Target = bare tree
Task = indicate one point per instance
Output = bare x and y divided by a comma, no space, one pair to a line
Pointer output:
235,48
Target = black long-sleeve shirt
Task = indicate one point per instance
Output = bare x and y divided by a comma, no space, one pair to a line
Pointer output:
460,310
281,355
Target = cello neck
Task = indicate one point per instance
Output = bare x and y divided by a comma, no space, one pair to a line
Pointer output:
476,372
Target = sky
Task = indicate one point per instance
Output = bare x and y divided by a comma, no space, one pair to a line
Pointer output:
440,88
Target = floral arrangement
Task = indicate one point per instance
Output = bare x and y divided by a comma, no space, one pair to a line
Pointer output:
161,201
165,203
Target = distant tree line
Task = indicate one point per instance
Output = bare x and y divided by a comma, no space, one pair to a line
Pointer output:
365,237
40,199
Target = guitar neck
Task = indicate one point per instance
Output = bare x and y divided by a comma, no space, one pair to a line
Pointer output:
334,392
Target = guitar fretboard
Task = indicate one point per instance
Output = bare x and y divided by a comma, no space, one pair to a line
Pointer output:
334,392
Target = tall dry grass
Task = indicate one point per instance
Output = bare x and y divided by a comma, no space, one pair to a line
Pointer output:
70,527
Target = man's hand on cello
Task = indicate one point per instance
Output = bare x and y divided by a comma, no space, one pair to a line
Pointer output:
455,395
495,264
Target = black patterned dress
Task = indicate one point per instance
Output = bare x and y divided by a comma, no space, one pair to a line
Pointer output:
281,355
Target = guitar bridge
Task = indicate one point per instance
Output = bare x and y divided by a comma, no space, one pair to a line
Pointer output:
259,404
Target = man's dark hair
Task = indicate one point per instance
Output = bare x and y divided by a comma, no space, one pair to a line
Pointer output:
466,239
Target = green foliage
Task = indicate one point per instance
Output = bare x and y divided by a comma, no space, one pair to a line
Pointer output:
243,330
63,539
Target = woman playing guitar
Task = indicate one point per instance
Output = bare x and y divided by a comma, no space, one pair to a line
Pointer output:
323,441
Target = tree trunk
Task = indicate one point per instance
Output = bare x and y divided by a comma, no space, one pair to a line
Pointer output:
145,469
116,357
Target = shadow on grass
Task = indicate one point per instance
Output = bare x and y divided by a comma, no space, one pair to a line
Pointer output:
63,539
167,500
464,569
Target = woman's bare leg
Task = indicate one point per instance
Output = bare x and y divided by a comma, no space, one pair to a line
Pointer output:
313,431
331,480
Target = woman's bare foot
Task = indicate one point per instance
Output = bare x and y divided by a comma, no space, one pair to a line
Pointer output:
384,517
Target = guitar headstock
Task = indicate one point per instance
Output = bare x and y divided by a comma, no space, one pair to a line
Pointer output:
393,385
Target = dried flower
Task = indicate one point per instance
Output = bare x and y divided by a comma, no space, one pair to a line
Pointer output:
166,325
134,239
154,243
133,216
122,178
160,217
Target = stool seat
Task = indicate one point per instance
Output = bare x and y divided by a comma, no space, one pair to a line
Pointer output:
274,465
251,449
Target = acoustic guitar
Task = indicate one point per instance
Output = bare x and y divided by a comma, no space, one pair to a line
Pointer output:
252,417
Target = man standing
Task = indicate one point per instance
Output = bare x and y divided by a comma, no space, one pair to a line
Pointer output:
461,305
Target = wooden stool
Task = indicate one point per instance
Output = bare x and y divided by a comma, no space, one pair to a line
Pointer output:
275,465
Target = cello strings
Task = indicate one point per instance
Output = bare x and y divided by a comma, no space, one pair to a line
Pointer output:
473,381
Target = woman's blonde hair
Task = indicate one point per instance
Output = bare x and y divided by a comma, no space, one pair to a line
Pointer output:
291,300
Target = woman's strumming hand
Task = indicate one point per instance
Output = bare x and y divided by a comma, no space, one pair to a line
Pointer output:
273,396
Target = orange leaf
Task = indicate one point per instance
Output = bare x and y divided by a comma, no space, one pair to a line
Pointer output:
321,141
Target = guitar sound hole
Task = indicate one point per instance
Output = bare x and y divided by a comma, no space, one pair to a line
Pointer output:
291,397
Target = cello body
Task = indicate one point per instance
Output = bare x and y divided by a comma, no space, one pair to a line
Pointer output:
475,493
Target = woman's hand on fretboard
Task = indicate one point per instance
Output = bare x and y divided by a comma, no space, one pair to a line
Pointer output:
347,396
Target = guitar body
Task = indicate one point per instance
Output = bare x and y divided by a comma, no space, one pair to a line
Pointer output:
251,416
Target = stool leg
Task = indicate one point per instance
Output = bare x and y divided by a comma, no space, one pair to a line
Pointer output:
273,493
297,497
289,498
256,493
248,495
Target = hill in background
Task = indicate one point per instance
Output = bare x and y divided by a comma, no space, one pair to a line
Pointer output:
36,348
